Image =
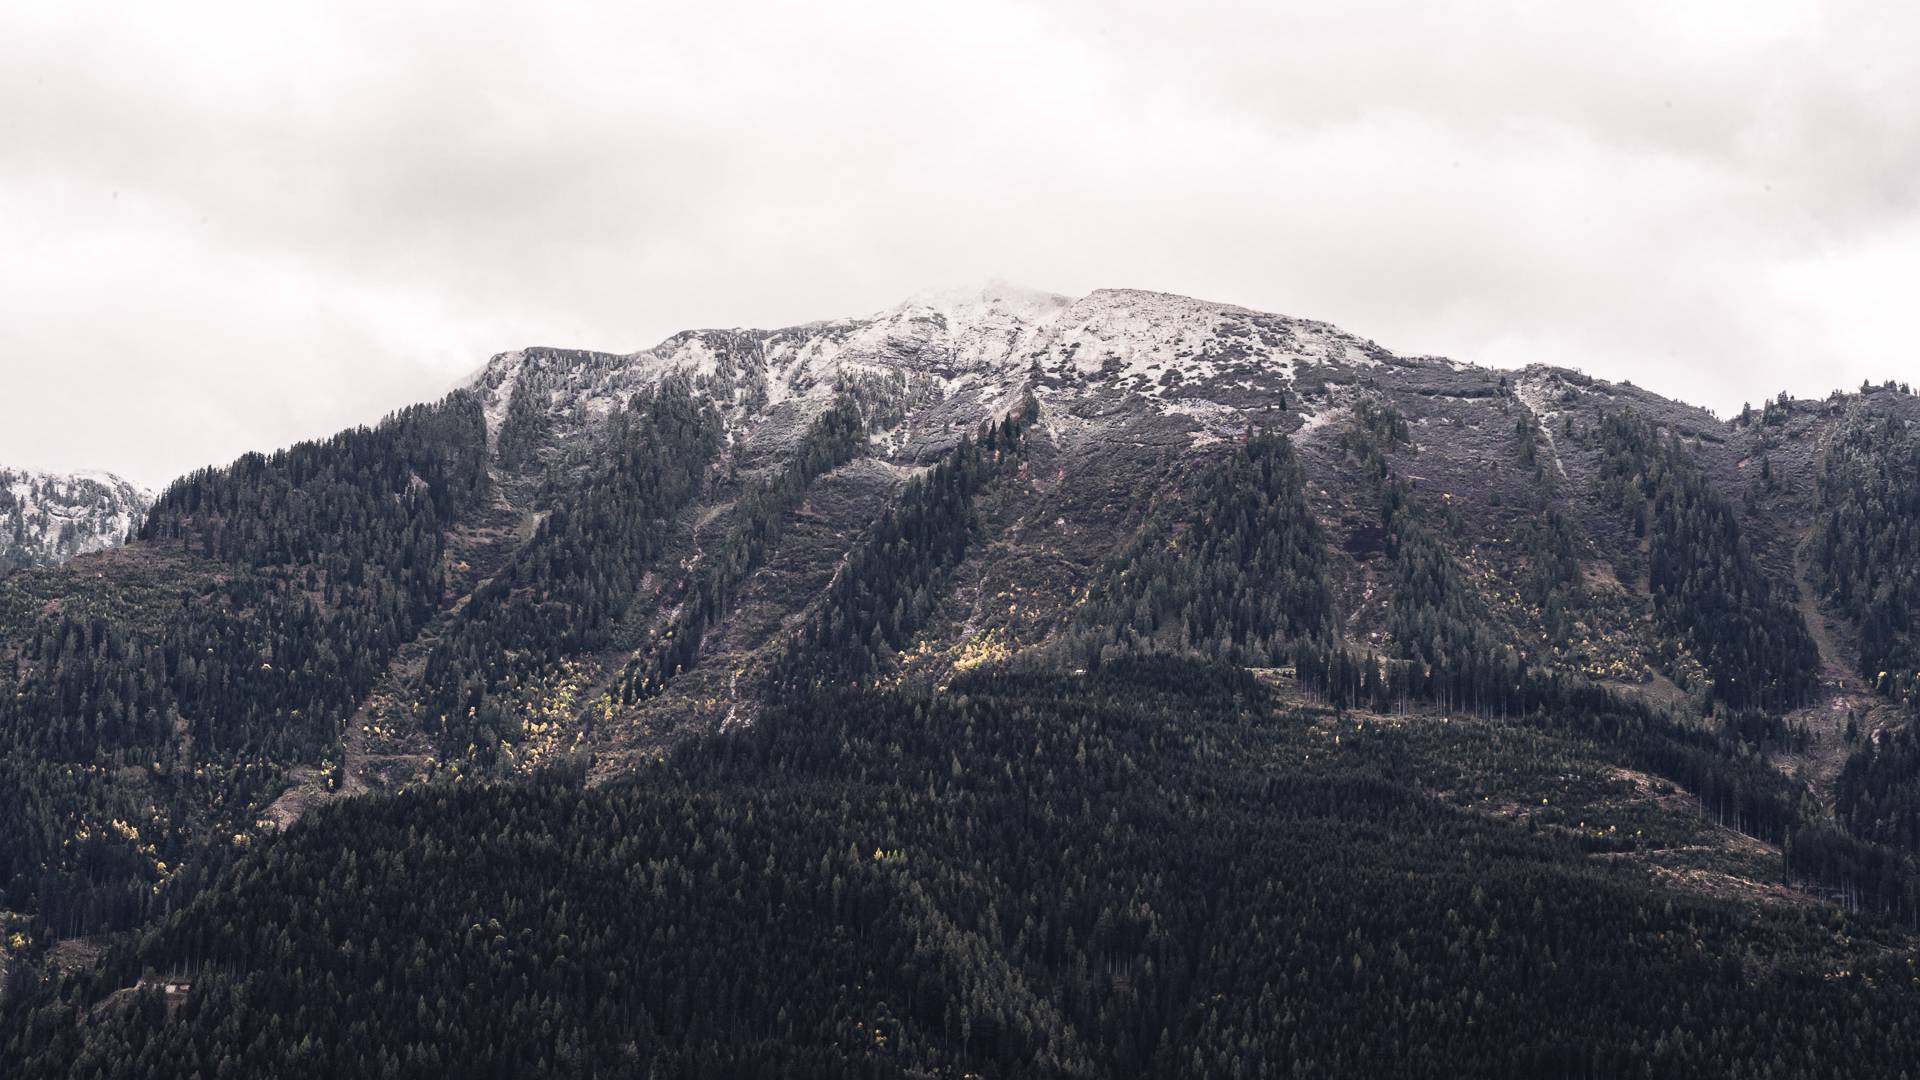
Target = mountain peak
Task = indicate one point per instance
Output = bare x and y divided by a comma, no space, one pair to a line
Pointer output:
993,296
50,517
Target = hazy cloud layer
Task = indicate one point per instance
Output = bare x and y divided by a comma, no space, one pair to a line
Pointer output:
230,226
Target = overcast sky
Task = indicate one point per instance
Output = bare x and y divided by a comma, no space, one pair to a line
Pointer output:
226,227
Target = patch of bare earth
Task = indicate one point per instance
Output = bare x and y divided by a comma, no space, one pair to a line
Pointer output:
1671,864
1842,695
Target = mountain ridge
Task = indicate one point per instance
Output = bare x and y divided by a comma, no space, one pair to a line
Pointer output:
49,517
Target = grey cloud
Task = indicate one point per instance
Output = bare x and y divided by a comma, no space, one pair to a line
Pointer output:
235,225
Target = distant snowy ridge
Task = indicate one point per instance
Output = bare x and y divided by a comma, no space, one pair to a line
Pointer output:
975,349
48,518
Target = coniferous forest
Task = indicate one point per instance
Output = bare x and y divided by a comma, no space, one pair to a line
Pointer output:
1152,871
1866,557
1705,584
1866,551
271,596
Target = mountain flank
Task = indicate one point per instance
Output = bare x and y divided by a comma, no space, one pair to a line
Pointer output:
1114,685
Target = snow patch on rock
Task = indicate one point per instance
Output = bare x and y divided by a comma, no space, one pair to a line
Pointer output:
1539,391
48,517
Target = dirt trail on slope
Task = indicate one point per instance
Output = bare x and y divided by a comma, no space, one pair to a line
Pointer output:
1842,694
371,755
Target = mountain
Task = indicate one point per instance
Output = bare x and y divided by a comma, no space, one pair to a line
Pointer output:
1005,683
47,518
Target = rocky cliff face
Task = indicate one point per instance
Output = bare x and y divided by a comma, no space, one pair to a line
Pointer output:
47,518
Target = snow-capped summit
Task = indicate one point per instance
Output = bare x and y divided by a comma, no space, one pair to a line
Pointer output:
975,348
48,518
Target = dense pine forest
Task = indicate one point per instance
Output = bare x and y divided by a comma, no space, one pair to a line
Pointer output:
1154,871
298,575
1242,577
1866,558
575,576
1705,584
1866,552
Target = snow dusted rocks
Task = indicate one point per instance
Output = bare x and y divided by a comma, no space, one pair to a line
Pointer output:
48,518
950,359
